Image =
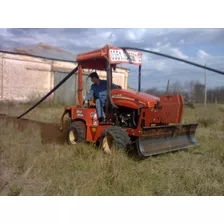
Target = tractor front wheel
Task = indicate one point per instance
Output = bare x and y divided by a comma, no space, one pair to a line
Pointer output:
114,138
76,133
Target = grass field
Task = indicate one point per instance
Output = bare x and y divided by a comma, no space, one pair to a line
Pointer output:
28,167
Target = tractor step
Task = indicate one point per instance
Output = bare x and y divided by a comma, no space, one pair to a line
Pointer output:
162,139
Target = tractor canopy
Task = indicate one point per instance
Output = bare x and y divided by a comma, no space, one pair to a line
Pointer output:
98,59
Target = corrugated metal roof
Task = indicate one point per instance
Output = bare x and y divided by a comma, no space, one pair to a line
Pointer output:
48,52
45,51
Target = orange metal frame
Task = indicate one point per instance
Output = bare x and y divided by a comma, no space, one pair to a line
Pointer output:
97,60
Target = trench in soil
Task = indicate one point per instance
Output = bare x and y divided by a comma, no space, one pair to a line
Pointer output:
50,132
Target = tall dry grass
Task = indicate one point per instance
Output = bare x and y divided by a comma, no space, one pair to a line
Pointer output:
29,168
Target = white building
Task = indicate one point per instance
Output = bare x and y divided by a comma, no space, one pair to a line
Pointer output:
27,74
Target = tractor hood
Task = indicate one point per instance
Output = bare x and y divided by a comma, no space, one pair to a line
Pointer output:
133,99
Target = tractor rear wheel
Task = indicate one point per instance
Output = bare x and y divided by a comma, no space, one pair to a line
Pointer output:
76,133
114,138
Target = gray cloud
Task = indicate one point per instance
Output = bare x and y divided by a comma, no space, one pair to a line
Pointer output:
184,43
137,37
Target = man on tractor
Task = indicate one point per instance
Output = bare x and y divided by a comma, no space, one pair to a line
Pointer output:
99,91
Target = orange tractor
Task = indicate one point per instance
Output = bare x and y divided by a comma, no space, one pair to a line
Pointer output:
134,120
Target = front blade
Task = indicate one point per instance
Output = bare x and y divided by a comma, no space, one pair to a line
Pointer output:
161,139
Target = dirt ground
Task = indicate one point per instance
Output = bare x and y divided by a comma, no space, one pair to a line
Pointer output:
50,132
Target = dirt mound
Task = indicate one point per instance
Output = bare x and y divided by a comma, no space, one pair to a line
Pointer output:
49,131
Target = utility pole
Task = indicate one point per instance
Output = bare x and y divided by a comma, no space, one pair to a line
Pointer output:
167,87
205,100
191,87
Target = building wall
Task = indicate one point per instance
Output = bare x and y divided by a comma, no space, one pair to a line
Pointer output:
1,77
26,78
65,94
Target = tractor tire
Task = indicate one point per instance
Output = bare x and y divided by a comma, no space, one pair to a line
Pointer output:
76,133
114,138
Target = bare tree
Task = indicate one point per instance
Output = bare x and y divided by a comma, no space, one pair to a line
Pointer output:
192,91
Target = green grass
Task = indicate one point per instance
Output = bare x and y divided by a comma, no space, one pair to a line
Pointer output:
29,168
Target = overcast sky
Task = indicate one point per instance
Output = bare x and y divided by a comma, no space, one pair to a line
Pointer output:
198,45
